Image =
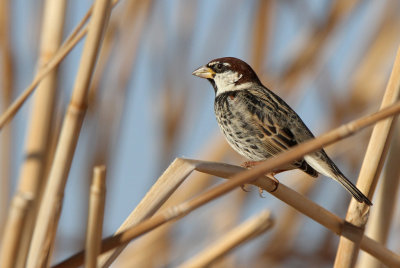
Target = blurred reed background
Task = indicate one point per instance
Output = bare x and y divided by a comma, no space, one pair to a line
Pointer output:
140,108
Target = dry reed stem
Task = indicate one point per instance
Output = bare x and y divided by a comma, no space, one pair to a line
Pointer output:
64,50
181,168
134,16
6,82
169,181
237,176
43,72
6,89
104,57
150,250
370,170
12,236
45,258
303,205
215,150
80,27
96,215
32,172
246,231
382,215
52,198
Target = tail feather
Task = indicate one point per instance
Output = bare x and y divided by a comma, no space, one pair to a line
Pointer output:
355,192
324,165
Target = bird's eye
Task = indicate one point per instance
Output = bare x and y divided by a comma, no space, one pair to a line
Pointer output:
219,67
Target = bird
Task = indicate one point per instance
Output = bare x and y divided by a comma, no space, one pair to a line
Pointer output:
258,124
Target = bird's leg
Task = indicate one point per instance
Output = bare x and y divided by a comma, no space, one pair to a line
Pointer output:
246,165
243,186
271,175
250,164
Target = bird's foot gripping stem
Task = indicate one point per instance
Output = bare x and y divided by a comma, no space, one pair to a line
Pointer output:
250,164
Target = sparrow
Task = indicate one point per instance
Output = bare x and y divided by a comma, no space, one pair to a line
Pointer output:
258,124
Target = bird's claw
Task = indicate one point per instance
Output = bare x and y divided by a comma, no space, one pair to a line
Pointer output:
250,164
243,186
275,180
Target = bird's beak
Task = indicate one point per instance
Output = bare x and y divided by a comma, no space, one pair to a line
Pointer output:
204,72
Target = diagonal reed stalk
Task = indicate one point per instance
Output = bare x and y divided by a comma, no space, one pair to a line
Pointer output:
371,168
237,176
43,72
182,168
248,230
164,187
78,33
215,150
54,191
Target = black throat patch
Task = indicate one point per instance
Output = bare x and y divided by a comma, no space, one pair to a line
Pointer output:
213,84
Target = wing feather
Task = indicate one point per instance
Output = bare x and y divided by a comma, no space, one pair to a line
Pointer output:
277,137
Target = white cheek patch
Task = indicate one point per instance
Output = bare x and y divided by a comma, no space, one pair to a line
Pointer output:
226,81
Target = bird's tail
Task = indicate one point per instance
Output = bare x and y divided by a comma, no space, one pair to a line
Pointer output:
355,192
324,165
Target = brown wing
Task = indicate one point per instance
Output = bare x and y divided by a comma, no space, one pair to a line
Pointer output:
278,139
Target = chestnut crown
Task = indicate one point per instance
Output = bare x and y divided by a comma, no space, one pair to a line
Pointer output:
228,74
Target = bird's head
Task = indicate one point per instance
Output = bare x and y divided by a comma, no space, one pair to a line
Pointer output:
228,74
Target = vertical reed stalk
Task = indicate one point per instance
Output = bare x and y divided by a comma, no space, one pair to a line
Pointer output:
12,236
6,89
96,215
384,208
372,165
32,179
54,191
